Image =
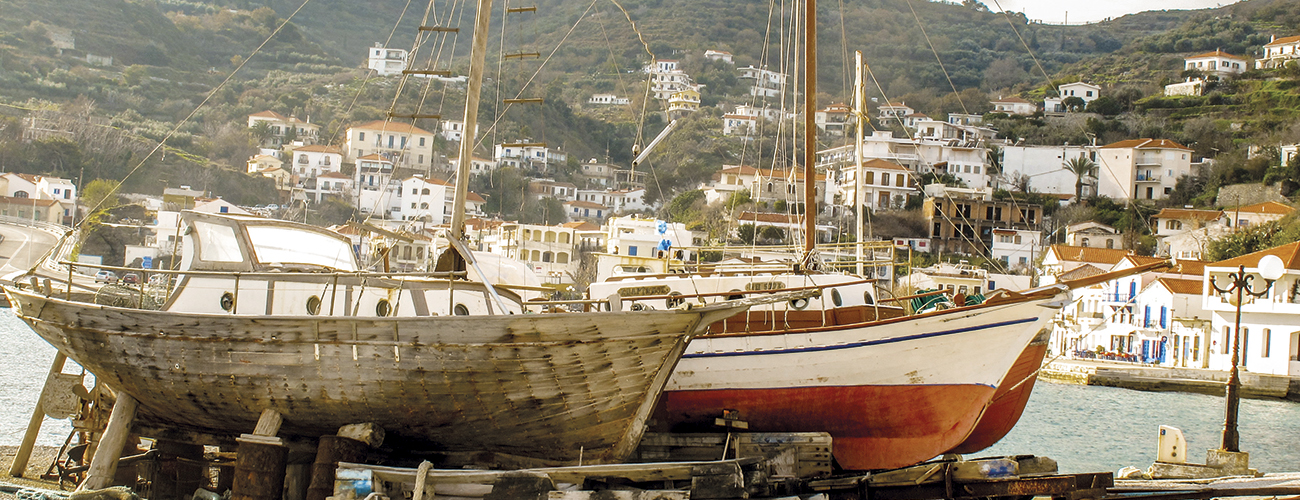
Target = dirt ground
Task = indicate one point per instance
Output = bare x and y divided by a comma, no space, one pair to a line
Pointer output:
41,458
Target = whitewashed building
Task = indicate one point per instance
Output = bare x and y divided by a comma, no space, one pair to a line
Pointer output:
385,61
1270,325
1017,249
1143,169
405,145
1014,106
1278,52
1217,63
1086,91
766,83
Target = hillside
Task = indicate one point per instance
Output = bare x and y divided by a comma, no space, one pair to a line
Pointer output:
168,56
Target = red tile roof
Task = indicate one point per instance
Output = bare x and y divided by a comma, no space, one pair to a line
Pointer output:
1089,254
1083,271
269,114
1183,286
880,164
394,127
318,148
1216,53
1187,213
585,204
472,196
581,226
1289,253
1188,268
1268,207
1146,144
375,156
1283,41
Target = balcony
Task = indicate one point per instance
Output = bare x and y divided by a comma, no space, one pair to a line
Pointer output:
1116,297
1148,178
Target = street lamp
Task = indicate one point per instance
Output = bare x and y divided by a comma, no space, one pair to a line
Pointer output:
1270,268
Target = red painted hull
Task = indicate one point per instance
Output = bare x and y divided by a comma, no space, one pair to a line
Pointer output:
1008,402
872,427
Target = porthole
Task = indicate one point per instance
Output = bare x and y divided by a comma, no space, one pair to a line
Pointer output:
866,298
227,301
799,304
675,302
736,295
383,308
835,297
313,305
460,310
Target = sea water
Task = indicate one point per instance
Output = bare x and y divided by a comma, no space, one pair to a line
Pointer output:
24,364
1097,429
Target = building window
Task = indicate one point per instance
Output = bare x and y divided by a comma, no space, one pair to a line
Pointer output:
361,136
421,142
1110,243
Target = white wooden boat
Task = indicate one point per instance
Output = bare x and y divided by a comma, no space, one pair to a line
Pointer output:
255,323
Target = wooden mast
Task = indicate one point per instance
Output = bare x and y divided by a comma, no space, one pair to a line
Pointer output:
473,86
810,130
859,102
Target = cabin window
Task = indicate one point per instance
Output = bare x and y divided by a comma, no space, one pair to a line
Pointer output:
272,244
217,243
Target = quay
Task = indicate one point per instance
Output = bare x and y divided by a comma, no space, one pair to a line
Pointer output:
1161,378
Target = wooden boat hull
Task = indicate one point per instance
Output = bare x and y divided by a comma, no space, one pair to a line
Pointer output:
545,387
1009,401
891,393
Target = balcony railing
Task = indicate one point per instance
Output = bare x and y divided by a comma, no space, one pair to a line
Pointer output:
1117,297
1148,178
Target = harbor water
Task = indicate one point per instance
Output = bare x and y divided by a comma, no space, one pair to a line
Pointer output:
1086,429
1096,429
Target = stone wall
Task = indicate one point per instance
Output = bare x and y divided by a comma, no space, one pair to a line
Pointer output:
1249,194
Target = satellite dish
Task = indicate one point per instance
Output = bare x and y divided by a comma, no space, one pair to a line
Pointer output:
1271,267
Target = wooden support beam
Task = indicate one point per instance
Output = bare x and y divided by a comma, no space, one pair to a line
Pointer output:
525,100
521,55
414,116
521,9
431,72
440,29
104,465
268,424
34,425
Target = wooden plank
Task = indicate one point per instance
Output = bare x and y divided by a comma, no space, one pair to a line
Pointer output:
675,471
268,424
103,466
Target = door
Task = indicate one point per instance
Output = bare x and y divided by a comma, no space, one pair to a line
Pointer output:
1146,350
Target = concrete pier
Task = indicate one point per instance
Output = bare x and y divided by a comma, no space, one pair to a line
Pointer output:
1160,378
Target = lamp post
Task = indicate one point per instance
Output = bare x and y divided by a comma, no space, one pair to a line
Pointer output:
1270,267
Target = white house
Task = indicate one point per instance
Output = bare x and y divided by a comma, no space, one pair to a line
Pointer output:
529,157
1044,166
285,129
718,55
885,185
330,184
1217,63
1017,249
424,199
311,161
1270,325
767,83
639,236
1014,106
608,99
1145,169
893,112
218,206
1259,213
376,190
585,210
1173,221
1278,52
739,125
833,119
403,144
1086,91
385,61
452,130
1093,234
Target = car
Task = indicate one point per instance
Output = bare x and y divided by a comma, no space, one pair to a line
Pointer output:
105,276
130,278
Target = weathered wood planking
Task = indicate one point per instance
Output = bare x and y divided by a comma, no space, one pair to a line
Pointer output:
549,386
